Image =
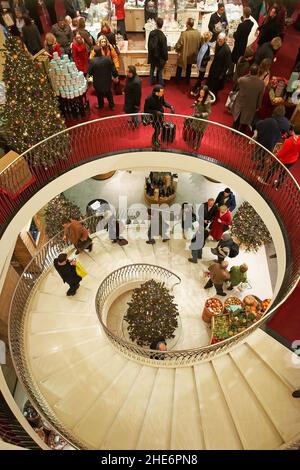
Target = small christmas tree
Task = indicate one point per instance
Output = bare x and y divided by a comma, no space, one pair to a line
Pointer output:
249,229
31,111
152,313
57,212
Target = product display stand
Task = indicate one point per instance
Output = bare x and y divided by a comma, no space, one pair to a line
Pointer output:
74,107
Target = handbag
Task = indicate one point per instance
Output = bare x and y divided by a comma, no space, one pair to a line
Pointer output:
80,271
231,100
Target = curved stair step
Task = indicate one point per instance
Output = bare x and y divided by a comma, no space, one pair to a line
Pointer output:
274,395
255,429
156,429
60,321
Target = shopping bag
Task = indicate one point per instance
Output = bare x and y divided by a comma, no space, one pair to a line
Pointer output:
168,132
80,271
231,100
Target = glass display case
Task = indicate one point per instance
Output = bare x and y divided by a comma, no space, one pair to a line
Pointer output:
167,9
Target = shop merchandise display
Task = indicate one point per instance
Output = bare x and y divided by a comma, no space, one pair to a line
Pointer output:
237,316
66,80
160,186
97,12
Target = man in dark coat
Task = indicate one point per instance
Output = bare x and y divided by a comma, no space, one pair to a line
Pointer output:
102,70
154,105
220,65
226,198
157,52
207,211
241,36
132,93
267,50
63,34
67,271
72,8
218,22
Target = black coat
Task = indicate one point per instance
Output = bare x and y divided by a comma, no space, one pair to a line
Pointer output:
215,19
219,67
67,272
133,93
160,56
241,39
102,70
265,51
230,203
32,38
208,214
154,104
71,7
269,30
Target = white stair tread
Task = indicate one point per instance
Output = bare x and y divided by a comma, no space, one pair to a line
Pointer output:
274,395
254,427
282,360
156,430
218,426
124,432
186,423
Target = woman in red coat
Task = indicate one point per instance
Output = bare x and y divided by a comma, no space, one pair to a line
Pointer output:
220,223
80,53
288,155
120,14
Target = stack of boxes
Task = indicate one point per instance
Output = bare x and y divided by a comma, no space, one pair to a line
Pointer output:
66,80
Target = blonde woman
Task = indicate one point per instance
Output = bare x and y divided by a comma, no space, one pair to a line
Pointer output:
106,50
202,61
51,45
221,220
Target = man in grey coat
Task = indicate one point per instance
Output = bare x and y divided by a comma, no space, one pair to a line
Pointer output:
248,100
63,34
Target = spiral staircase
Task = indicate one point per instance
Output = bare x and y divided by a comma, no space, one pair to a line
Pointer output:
98,392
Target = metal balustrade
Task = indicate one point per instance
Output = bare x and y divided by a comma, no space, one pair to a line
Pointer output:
102,137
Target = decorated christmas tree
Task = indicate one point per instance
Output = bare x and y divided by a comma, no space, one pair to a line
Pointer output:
249,229
152,313
31,111
57,212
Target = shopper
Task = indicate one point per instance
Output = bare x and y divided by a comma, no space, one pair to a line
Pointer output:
288,155
243,66
63,34
77,234
203,58
84,34
67,271
225,247
218,22
31,36
197,243
159,345
226,198
264,71
271,27
132,94
102,70
267,50
187,48
207,211
220,66
150,10
218,275
51,45
248,100
220,223
120,14
202,112
157,52
107,50
270,130
80,53
108,33
19,21
154,105
238,275
72,8
241,36
158,227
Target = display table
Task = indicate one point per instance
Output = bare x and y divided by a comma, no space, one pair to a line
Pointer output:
74,107
19,178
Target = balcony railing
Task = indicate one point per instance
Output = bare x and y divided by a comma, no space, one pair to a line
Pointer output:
97,139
